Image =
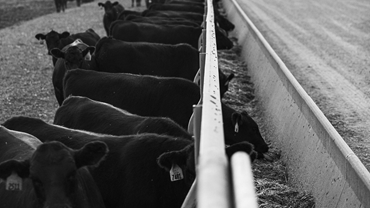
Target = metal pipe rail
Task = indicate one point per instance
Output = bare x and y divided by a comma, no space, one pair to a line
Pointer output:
318,159
216,186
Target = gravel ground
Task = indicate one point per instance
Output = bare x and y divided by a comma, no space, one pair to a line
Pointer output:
26,69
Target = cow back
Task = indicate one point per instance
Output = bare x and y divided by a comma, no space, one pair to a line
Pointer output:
86,114
142,95
178,7
179,60
146,32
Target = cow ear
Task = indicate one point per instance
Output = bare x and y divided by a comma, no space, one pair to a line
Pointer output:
101,4
64,35
243,147
115,3
40,36
181,158
21,168
91,154
236,119
90,49
57,53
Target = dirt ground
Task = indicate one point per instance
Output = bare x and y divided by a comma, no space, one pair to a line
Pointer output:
13,12
326,46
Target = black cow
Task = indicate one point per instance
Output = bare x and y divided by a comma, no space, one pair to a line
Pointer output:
48,174
162,20
173,14
166,60
191,1
182,2
70,57
112,10
90,115
223,22
135,173
177,7
150,2
125,13
159,97
56,40
219,19
174,34
178,60
60,5
75,55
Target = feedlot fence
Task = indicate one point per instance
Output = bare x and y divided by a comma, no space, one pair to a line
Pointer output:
219,184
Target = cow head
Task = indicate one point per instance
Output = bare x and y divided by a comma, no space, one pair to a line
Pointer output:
52,38
239,127
224,82
75,55
54,171
184,158
112,10
224,23
223,42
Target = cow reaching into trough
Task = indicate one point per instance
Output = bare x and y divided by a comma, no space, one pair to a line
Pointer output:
171,34
178,60
47,174
221,21
165,60
135,173
161,20
158,96
83,113
177,7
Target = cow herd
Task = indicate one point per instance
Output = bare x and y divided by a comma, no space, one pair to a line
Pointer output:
119,136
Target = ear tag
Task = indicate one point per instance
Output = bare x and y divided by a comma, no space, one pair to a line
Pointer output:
176,173
236,129
13,183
